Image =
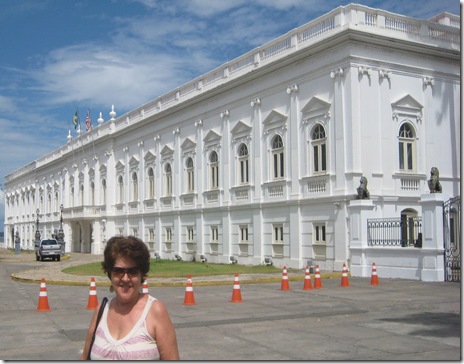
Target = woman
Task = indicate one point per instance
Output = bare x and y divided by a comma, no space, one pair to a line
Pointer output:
134,326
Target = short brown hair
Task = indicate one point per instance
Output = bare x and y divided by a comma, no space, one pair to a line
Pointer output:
127,247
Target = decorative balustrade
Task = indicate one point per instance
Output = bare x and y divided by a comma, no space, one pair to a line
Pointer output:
318,184
275,189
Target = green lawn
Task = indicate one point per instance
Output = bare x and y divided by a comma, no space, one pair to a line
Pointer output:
162,268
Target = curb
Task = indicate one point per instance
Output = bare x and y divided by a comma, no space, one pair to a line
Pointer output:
154,283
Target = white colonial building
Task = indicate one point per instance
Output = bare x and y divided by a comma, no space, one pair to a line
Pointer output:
262,157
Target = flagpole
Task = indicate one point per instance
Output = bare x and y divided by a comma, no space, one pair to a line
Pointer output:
91,134
72,147
79,133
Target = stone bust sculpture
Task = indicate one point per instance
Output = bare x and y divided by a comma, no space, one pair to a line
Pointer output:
434,183
363,193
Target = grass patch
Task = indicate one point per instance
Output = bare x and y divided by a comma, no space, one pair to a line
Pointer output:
163,268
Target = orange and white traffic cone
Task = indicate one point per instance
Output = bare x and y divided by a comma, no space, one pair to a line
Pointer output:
307,280
344,282
285,286
374,276
43,297
92,303
145,287
236,293
317,278
189,298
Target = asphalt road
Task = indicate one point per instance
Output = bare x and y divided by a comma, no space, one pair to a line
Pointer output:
397,320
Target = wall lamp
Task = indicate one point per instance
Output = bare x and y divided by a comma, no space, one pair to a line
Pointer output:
385,74
337,72
293,88
255,101
428,81
364,70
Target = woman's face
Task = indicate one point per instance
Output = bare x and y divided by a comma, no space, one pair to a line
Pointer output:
126,279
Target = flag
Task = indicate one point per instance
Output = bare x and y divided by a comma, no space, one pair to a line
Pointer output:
88,122
76,119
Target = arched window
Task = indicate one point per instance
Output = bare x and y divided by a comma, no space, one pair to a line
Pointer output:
406,144
92,193
71,197
243,164
214,170
41,201
135,187
120,189
189,175
277,157
81,194
168,179
57,206
103,192
49,202
151,183
319,150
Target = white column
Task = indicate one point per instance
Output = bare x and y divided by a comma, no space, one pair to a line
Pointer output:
432,251
358,212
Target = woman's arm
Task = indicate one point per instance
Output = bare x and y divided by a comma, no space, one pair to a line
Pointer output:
165,335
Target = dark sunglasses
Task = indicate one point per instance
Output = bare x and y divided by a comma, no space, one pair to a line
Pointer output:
120,272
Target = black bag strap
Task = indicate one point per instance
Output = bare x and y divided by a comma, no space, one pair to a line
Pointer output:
100,313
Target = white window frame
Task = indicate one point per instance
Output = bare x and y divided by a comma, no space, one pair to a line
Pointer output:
190,175
81,194
406,148
151,183
134,187
168,179
214,234
120,189
103,191
57,206
277,234
214,170
278,158
151,234
319,233
168,234
243,164
190,234
243,233
92,193
319,150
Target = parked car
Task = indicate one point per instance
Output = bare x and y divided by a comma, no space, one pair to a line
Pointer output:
48,248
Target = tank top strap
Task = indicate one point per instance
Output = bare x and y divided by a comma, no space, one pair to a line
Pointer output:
150,301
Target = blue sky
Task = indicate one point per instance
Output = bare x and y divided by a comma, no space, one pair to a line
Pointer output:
59,55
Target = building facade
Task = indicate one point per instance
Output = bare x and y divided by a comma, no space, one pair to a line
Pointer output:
262,157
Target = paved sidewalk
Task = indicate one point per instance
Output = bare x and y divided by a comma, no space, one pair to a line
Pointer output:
401,320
